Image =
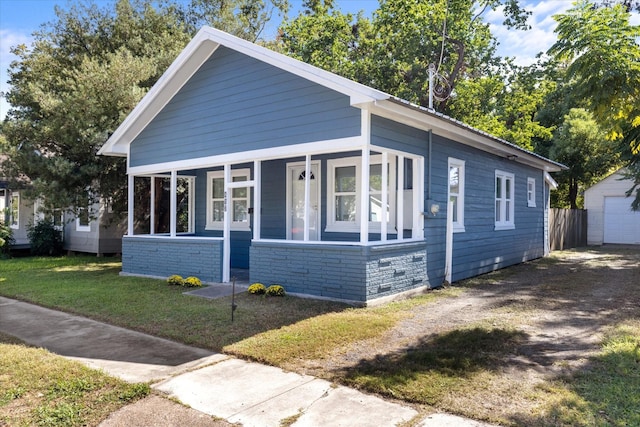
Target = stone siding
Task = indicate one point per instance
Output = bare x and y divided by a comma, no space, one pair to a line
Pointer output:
163,257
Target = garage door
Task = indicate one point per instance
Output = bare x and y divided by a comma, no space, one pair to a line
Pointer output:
621,224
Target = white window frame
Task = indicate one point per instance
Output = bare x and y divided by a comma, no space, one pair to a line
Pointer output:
14,221
504,206
81,227
235,225
3,201
531,192
354,226
458,225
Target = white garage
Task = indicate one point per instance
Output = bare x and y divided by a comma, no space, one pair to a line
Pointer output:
609,215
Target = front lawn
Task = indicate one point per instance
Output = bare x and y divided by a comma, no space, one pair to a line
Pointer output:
551,342
40,388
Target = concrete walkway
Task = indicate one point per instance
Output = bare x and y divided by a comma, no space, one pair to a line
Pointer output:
215,384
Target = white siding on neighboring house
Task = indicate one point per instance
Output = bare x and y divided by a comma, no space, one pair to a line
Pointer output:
609,215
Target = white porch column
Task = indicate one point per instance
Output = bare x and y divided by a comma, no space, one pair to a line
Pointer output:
257,198
307,190
152,207
130,207
226,233
400,199
364,198
384,197
174,201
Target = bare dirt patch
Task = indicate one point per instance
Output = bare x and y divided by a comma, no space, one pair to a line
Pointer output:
551,315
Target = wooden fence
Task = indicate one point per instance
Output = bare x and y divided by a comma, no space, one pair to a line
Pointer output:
567,228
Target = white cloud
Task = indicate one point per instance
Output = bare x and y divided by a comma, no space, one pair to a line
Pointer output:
8,39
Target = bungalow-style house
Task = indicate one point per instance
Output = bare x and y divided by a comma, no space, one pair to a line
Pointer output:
609,215
312,181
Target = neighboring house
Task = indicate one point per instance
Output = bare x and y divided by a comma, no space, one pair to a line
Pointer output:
101,235
328,187
609,215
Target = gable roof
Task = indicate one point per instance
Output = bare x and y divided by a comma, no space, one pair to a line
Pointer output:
208,39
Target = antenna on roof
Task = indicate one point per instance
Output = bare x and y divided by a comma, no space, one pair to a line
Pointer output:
439,87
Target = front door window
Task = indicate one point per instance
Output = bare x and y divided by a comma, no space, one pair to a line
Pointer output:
296,184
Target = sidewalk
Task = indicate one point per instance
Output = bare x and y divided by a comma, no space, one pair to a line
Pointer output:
214,384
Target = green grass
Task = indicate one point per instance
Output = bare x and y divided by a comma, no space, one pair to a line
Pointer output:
40,388
456,370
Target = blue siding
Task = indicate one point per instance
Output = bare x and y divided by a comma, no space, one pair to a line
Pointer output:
235,103
480,248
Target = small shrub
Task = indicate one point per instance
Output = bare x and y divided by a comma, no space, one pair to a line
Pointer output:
275,291
6,240
175,280
44,238
192,282
257,289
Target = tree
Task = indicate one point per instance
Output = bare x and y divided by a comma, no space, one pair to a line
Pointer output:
601,47
83,74
581,143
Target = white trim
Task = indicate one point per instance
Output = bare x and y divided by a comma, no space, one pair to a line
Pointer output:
384,217
400,197
457,226
417,231
130,202
503,223
307,189
257,198
361,222
14,220
226,232
167,237
531,192
313,148
173,197
235,225
448,263
340,242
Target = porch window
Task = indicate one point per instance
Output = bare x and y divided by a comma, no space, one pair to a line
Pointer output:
456,193
83,222
504,192
152,211
344,194
3,205
14,211
239,200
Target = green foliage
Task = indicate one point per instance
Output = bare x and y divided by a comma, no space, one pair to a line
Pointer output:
6,240
192,282
85,71
44,238
257,289
275,291
175,280
581,143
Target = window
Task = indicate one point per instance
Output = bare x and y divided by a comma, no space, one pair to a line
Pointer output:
83,220
456,193
344,193
3,202
504,200
531,192
239,200
14,211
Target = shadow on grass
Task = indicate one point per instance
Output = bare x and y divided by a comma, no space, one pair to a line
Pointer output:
605,392
437,365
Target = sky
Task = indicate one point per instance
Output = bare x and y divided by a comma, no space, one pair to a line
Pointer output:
20,18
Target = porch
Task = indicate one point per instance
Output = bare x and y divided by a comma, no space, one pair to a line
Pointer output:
345,225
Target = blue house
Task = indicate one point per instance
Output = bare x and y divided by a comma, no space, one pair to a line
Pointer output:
335,190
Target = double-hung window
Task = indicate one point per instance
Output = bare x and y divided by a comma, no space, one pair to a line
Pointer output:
531,192
344,184
239,200
456,193
504,194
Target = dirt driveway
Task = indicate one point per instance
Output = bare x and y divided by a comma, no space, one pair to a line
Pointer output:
562,305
